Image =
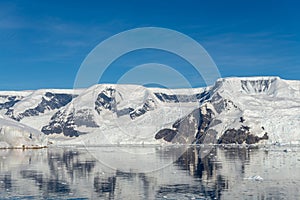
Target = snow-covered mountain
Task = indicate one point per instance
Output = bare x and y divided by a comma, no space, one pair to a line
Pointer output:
116,114
233,110
17,135
242,110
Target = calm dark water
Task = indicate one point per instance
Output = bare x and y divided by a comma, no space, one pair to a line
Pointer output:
151,173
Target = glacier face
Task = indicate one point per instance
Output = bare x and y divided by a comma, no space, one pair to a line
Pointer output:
17,135
233,110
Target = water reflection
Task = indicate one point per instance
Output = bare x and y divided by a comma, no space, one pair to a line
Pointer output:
70,162
211,184
105,187
5,181
64,173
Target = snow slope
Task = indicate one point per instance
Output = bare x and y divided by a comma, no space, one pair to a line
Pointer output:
121,114
266,104
17,135
245,110
233,110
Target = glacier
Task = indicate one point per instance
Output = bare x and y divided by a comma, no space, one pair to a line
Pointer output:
239,110
17,135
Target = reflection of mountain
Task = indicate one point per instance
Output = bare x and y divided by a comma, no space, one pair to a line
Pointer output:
77,173
218,174
49,186
69,161
203,169
44,174
105,186
5,182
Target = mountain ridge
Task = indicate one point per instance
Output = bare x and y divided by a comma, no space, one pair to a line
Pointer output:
247,109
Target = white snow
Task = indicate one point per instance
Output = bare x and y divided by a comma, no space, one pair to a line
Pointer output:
267,104
17,135
255,178
35,97
124,130
277,109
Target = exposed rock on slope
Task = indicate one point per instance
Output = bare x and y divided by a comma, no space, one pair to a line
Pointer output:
242,110
233,110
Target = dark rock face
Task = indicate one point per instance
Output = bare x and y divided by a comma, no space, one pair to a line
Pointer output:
198,126
147,106
203,96
205,121
175,98
60,123
51,101
240,136
10,101
258,86
125,111
195,128
182,98
67,123
166,134
106,100
191,129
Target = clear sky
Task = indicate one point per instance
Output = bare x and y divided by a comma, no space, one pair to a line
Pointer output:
43,43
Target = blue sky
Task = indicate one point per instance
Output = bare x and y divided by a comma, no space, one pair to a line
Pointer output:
43,43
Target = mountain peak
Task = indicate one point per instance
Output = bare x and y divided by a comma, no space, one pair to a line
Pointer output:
232,105
252,78
250,85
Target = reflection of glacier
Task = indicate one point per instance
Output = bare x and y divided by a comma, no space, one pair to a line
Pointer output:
75,173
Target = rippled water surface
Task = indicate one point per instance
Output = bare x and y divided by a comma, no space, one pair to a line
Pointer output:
151,172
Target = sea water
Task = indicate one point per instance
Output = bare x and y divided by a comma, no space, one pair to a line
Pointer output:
151,172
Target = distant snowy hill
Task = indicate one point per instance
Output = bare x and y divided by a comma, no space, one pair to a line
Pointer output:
233,110
17,135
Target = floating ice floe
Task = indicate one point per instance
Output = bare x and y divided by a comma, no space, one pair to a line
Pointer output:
255,178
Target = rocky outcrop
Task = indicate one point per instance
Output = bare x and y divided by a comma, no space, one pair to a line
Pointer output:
233,110
68,122
9,101
50,101
240,136
106,100
191,129
147,106
166,134
61,123
175,98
